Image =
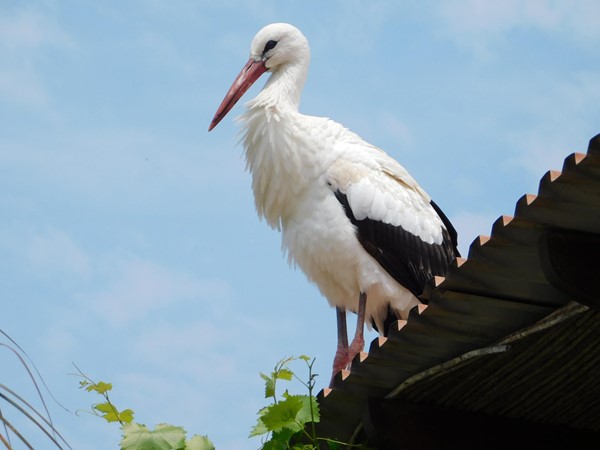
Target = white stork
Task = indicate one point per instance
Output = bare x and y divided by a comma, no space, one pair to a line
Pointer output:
353,219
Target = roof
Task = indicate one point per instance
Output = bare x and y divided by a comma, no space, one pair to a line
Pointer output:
509,340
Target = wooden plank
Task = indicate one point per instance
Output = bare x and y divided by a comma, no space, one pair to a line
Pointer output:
553,213
479,277
569,187
594,146
584,165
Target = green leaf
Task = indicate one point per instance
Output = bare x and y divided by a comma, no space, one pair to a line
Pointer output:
198,442
259,428
284,435
284,374
269,385
163,437
280,440
304,357
283,414
108,411
275,444
304,415
126,416
111,414
101,387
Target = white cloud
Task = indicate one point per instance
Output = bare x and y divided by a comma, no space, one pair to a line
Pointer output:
353,32
47,252
141,286
55,251
30,29
22,86
165,344
480,16
23,33
116,168
479,24
59,339
565,113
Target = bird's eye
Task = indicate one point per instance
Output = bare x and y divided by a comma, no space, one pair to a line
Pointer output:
269,46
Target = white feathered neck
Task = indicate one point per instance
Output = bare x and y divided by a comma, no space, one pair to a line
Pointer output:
270,139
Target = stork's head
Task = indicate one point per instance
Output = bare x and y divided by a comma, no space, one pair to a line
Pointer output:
273,48
278,44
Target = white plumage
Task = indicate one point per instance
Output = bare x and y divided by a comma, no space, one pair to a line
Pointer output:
338,200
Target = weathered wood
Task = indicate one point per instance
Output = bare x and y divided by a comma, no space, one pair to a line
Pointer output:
534,263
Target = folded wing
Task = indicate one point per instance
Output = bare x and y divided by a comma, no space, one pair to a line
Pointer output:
396,221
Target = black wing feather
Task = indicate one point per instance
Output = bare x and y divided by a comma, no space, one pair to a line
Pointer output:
448,225
408,259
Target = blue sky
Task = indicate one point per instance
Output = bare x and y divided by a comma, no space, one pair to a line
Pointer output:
129,243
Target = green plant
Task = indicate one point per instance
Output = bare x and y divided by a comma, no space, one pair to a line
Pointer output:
137,436
287,423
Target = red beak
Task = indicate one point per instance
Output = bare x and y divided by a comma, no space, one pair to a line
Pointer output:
246,78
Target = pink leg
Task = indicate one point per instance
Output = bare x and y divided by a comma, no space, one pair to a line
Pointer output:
341,355
358,343
344,354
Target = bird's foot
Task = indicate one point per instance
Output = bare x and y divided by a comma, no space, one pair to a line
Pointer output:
341,359
340,362
357,346
344,356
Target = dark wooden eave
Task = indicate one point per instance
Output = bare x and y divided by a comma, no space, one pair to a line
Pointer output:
508,346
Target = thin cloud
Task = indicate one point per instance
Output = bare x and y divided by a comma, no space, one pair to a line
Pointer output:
30,29
24,33
479,25
140,287
116,168
22,86
359,33
544,144
55,251
46,252
168,343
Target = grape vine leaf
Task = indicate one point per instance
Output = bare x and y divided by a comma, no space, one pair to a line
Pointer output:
260,427
126,416
164,437
304,415
101,387
111,414
279,440
283,414
198,442
269,385
284,374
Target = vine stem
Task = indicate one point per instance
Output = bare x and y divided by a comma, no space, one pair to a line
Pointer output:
311,385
